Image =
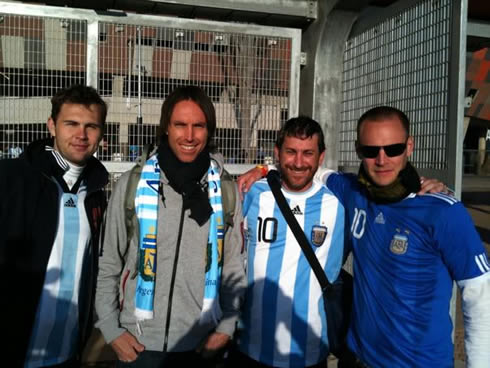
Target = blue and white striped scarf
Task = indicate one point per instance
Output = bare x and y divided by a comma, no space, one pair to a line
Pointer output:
146,206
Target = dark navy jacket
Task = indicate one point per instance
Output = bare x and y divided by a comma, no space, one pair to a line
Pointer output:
28,224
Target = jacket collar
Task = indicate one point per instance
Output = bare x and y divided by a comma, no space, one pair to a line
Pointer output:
95,174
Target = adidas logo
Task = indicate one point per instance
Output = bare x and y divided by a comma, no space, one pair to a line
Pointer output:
296,210
380,219
70,203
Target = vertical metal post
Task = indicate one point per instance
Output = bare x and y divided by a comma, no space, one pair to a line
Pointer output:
92,53
130,72
140,67
321,79
293,103
139,117
457,71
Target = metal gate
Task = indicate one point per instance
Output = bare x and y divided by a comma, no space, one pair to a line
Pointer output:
250,72
413,59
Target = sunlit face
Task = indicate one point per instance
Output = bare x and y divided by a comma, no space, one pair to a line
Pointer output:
187,130
382,169
299,160
77,131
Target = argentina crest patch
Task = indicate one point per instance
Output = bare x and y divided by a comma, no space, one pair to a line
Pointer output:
399,244
220,236
147,261
318,234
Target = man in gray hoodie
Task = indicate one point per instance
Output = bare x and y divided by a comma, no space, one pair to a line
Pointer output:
171,279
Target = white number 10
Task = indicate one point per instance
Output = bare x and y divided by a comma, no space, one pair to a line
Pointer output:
358,223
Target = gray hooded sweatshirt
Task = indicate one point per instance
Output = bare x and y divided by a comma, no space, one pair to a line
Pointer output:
116,282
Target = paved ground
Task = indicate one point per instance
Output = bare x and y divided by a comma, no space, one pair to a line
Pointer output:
475,196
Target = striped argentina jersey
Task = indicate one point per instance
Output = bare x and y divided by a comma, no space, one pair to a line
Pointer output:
57,312
283,320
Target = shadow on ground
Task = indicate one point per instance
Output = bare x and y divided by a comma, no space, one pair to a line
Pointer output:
479,202
476,198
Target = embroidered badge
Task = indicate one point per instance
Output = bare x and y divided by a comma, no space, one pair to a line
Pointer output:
399,244
221,236
147,266
318,234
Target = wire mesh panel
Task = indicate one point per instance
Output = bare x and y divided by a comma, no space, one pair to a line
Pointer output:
401,62
250,72
246,76
38,55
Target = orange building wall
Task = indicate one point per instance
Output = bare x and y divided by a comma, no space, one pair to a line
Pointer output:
478,77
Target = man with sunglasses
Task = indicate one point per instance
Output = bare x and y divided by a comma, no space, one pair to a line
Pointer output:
408,249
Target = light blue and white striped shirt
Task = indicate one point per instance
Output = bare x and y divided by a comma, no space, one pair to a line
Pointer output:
55,333
284,322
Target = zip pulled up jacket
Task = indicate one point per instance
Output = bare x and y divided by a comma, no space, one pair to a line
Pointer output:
29,210
181,302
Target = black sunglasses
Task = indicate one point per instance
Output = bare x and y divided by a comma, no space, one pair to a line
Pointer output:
391,150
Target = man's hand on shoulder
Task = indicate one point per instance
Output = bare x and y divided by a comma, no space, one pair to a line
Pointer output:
246,180
433,186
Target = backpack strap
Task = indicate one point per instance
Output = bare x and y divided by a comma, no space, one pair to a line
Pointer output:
228,198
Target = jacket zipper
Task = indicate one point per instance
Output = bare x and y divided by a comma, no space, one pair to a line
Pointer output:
172,282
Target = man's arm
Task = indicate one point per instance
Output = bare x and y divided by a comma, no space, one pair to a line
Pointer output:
233,284
475,296
428,185
246,180
465,257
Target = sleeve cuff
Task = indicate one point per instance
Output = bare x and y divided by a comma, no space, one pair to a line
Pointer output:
110,328
227,325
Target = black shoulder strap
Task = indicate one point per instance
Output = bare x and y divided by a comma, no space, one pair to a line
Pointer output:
275,185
